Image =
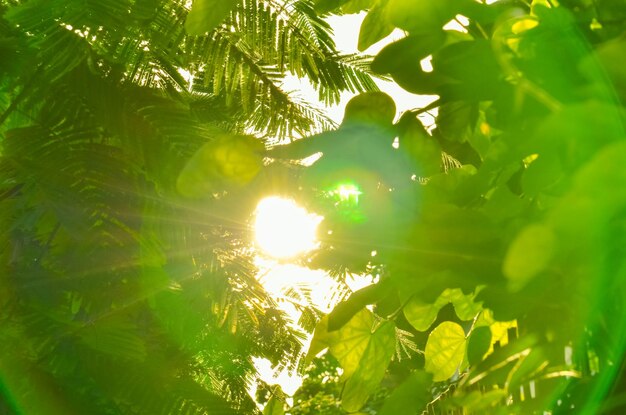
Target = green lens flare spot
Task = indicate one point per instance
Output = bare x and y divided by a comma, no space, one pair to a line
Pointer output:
347,194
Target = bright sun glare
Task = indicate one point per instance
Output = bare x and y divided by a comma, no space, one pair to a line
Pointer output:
284,229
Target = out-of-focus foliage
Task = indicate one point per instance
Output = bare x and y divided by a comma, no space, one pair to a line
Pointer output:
127,179
523,234
128,173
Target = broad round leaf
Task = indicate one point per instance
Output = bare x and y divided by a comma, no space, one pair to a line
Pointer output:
420,315
445,350
370,108
371,369
227,160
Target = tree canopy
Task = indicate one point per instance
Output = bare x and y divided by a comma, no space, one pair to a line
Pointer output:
137,137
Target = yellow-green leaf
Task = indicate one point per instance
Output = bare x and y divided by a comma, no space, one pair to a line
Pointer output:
421,315
351,341
274,406
371,368
464,305
322,339
445,350
528,255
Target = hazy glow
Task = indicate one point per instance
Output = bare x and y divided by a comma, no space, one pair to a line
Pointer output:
348,192
284,229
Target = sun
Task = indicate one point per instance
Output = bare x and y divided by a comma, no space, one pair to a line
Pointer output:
283,229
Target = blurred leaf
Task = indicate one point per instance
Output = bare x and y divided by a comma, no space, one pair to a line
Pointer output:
421,15
423,150
410,397
527,368
445,350
456,120
420,315
227,160
528,255
375,26
464,305
407,52
115,336
478,402
478,344
274,406
542,173
322,339
206,15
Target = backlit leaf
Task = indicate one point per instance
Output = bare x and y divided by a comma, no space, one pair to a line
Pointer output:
445,350
351,341
421,315
371,369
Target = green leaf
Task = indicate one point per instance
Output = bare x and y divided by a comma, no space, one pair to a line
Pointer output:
445,350
417,15
421,315
542,173
464,305
322,339
344,311
423,150
371,368
478,344
206,15
456,120
274,406
528,255
411,397
351,341
375,26
227,160
408,51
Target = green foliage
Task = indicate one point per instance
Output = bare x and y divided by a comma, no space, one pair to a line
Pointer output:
522,232
126,176
132,139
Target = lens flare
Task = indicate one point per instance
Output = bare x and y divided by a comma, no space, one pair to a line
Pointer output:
283,229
